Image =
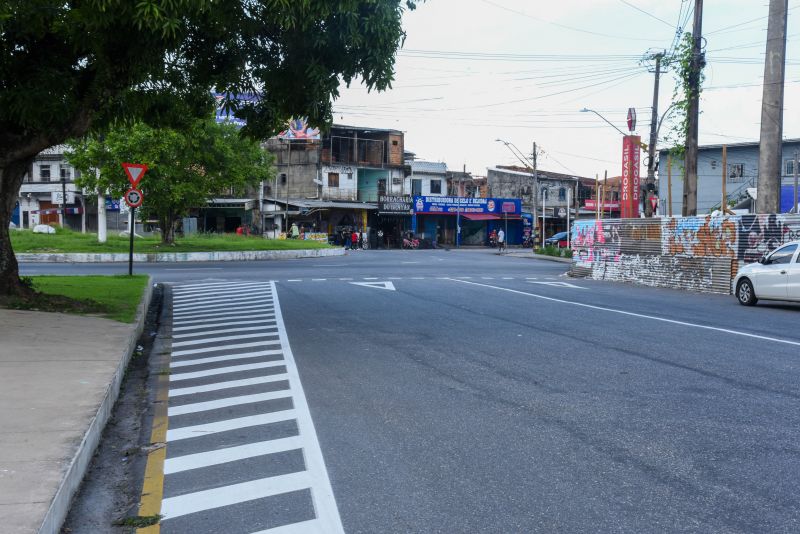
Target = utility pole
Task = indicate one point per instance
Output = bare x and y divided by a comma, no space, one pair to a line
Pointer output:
534,196
693,113
651,149
795,197
63,202
771,145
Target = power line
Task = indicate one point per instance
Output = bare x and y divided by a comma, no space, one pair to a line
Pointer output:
637,8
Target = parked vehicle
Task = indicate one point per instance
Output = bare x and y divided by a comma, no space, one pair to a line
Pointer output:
776,276
410,243
557,240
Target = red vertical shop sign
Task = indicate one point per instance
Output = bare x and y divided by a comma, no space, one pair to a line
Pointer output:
629,188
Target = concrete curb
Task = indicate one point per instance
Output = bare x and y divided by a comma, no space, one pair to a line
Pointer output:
174,257
59,507
540,257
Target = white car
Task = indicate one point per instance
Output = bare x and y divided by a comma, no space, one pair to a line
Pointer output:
776,276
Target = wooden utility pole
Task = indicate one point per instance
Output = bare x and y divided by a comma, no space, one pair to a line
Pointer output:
651,149
693,114
771,145
597,196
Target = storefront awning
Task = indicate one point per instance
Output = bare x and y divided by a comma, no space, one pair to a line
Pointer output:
490,217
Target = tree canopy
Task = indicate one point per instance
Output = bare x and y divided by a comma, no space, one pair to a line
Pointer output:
68,67
186,167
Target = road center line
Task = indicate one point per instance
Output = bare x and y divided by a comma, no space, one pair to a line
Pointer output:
633,314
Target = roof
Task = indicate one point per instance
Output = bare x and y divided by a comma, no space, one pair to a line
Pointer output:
324,204
365,129
547,175
432,167
744,144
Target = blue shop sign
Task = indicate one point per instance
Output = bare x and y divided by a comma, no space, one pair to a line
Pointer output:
454,205
112,205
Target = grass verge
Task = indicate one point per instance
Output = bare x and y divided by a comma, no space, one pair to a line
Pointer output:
113,297
554,251
25,241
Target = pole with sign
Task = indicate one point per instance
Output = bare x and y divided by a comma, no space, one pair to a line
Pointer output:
133,198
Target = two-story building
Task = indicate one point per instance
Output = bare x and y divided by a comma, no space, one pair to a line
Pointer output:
547,198
741,177
332,183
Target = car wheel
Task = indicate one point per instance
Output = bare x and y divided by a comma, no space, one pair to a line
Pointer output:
745,293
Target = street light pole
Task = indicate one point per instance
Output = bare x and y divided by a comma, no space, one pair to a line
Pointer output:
587,110
63,201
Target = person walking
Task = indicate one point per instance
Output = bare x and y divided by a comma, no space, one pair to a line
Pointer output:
354,239
348,240
501,240
295,231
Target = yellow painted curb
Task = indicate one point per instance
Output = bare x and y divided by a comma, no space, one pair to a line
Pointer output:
153,487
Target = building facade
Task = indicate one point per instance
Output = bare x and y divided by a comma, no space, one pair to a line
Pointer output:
741,177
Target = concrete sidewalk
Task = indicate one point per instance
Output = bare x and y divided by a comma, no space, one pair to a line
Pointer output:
59,377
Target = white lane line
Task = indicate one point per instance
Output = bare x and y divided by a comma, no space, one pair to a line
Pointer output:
230,401
487,278
508,278
252,344
222,338
195,269
243,320
259,328
176,377
531,278
322,492
228,385
217,294
370,278
231,454
318,279
409,262
182,303
216,289
186,316
310,526
640,315
227,357
177,434
345,279
227,495
294,280
418,278
394,278
220,305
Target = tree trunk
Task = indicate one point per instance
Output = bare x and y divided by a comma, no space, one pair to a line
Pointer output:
11,176
167,224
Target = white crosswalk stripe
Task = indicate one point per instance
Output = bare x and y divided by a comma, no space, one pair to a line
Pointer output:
220,329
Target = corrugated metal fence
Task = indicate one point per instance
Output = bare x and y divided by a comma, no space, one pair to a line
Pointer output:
697,253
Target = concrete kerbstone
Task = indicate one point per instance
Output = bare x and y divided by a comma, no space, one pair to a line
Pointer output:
175,257
60,505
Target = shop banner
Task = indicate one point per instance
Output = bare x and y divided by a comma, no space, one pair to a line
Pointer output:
395,205
630,176
455,205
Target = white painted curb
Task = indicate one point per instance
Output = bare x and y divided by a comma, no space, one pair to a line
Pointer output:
174,257
60,505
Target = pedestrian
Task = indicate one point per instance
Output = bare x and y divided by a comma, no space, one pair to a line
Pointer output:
354,239
380,238
493,238
501,240
348,240
295,231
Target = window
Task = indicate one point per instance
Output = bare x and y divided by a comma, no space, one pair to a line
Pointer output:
333,179
736,172
788,167
562,193
394,142
44,172
436,187
382,186
416,187
66,172
783,255
283,178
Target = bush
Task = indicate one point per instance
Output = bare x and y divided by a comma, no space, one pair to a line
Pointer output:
550,250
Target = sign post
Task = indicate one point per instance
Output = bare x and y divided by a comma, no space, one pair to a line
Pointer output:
133,198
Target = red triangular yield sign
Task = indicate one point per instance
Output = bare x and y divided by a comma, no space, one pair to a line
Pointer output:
135,171
654,202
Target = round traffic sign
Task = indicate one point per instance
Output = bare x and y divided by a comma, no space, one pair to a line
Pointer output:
134,197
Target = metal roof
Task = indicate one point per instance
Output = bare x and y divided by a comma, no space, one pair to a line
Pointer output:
432,167
324,204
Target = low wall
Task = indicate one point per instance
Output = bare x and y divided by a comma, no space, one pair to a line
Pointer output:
697,253
173,257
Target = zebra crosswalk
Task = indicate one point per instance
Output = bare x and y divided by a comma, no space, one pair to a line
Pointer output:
242,454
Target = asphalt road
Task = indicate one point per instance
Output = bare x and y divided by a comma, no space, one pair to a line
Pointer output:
461,391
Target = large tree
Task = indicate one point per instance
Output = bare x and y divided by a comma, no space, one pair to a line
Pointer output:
186,167
67,68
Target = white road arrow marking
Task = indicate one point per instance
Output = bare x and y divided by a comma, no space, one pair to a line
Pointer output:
376,285
557,284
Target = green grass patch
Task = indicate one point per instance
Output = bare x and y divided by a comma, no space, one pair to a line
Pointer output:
554,251
68,241
113,297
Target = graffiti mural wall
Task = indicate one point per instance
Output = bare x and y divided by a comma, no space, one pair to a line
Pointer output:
699,253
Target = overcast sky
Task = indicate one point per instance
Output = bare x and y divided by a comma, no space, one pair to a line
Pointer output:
472,71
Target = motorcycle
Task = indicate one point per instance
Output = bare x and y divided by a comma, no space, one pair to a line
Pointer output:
411,244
